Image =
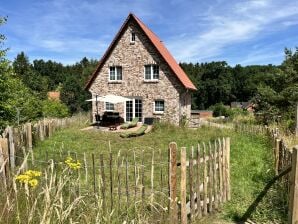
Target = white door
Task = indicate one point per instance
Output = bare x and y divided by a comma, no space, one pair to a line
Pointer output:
133,108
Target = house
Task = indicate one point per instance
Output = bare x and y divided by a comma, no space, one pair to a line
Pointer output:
137,65
202,113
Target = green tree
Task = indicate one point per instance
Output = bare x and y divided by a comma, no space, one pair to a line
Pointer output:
14,95
52,108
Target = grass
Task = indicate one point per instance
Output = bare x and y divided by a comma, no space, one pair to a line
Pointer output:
251,163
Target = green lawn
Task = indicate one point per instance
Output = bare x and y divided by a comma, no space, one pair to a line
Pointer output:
251,161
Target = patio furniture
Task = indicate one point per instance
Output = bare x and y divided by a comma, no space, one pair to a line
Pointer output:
110,117
131,124
136,133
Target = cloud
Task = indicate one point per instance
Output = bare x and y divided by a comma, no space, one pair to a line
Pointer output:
192,30
233,24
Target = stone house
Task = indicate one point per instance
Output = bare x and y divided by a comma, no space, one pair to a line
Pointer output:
137,65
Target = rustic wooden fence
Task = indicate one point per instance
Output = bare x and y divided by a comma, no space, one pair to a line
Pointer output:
204,179
180,183
16,141
285,164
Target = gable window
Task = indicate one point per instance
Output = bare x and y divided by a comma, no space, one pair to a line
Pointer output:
159,106
109,106
151,72
133,37
115,73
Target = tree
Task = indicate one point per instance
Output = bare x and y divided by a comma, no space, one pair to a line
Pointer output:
14,95
279,97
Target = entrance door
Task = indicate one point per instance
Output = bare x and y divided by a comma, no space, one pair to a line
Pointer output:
133,108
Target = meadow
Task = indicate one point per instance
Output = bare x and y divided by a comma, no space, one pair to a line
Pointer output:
58,196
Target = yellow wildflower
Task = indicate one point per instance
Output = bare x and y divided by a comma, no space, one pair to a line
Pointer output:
33,173
29,177
23,178
33,183
72,164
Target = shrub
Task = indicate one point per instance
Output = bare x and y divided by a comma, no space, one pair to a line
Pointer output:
220,110
54,109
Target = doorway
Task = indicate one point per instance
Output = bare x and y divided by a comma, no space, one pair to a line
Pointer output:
133,108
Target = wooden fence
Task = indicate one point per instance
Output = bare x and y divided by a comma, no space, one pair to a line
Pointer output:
187,182
16,141
286,158
285,164
204,177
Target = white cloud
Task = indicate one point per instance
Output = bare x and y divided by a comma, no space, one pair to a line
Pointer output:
232,24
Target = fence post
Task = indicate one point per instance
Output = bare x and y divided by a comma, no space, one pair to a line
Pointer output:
228,147
29,136
276,157
296,128
293,197
11,148
183,186
173,183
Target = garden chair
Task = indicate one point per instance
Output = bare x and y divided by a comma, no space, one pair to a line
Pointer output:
131,124
136,133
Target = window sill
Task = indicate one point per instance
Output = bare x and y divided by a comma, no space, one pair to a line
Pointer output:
158,113
151,81
115,81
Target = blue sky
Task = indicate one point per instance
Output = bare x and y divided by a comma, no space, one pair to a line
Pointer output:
237,31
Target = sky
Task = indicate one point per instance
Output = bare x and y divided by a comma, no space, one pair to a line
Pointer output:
242,32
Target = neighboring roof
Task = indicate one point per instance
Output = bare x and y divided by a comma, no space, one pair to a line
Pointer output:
157,43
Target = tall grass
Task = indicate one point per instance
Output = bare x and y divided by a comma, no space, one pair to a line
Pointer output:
58,200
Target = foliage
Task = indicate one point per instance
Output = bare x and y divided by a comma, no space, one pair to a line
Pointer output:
217,82
53,108
44,76
277,100
220,110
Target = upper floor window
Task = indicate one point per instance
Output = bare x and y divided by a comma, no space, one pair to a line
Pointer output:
151,72
115,73
133,37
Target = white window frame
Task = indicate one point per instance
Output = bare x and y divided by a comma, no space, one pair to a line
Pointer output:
151,74
116,73
132,37
133,99
108,109
154,105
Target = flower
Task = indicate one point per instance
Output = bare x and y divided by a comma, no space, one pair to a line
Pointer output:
29,177
33,183
72,164
23,178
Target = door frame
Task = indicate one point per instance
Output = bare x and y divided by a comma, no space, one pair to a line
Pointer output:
133,98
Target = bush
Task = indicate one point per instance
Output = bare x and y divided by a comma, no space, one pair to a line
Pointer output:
220,110
54,109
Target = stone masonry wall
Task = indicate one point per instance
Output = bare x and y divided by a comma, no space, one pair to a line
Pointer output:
132,58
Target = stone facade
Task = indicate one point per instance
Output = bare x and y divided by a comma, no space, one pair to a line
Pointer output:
132,57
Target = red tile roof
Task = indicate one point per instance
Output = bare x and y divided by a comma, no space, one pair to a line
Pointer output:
177,70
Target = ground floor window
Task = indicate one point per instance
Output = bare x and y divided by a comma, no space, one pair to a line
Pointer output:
109,106
159,106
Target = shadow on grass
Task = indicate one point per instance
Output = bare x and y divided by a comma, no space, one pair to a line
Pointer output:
260,197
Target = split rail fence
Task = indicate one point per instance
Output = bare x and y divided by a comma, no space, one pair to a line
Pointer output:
180,183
